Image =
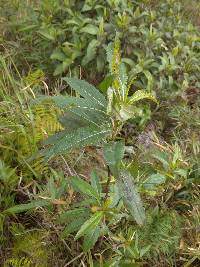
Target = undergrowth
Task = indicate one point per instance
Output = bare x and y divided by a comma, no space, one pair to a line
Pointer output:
105,172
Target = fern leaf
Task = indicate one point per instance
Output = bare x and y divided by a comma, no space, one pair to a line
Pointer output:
22,262
87,90
131,196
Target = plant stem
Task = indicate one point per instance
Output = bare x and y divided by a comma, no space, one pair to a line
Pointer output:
108,183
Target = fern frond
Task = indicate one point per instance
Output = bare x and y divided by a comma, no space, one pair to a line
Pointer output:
18,262
46,120
162,231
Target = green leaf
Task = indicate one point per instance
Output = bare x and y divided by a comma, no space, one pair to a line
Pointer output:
127,111
123,79
73,226
114,153
91,52
58,55
154,180
83,187
59,69
162,157
71,121
140,95
90,224
107,81
71,215
28,206
47,34
78,138
95,181
87,90
91,29
91,238
131,196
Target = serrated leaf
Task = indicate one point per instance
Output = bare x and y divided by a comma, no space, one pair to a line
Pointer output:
127,111
123,79
87,90
79,138
90,224
140,95
130,196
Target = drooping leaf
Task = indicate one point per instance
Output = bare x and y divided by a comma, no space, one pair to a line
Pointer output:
130,196
140,95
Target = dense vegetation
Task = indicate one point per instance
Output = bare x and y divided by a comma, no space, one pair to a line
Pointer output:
99,133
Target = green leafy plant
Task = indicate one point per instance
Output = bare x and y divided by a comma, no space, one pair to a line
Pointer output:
103,121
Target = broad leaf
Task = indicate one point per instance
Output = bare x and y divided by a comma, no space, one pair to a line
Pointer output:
154,180
78,138
91,52
87,90
113,154
73,215
91,29
130,196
